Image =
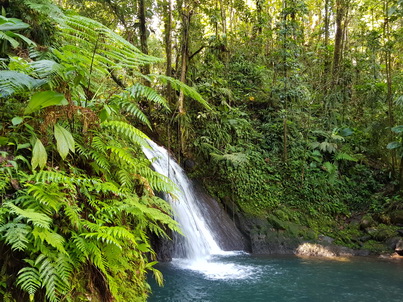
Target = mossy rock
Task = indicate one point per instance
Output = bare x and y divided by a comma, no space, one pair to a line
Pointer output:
291,229
383,232
396,217
366,222
375,246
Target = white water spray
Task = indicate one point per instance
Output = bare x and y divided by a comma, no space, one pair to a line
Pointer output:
198,241
197,247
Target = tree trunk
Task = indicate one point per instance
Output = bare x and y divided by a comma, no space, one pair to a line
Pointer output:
186,17
168,43
186,14
143,36
388,69
338,40
326,63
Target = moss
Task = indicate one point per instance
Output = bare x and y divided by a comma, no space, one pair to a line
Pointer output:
367,221
383,232
349,236
375,247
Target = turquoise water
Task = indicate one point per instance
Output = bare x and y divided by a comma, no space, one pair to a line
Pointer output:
245,278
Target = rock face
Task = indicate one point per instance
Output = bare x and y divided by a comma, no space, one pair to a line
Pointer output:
264,238
225,229
229,237
399,247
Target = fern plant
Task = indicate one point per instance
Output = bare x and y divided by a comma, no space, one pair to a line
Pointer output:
81,204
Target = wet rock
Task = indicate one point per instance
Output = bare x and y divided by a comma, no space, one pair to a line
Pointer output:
391,242
330,251
189,165
314,250
364,238
325,239
399,247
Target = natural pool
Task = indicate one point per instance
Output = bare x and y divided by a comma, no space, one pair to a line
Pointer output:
247,278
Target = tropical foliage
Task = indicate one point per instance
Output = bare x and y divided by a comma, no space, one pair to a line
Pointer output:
303,124
78,202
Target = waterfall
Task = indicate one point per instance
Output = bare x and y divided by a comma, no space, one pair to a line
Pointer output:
198,240
209,235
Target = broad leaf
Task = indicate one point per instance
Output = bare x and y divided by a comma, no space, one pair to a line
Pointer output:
44,99
5,36
65,141
39,155
22,37
15,82
393,145
398,129
346,132
11,24
17,120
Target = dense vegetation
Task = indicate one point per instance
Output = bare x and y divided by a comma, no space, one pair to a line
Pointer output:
302,126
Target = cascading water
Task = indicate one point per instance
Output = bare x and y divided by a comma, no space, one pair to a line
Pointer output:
198,240
201,224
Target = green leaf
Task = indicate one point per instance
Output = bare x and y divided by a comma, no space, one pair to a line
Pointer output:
17,120
15,82
23,146
393,145
12,24
346,132
329,167
44,99
398,129
25,39
4,36
3,140
39,155
345,156
65,141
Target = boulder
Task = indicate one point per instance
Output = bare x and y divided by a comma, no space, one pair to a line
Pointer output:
325,239
399,247
367,222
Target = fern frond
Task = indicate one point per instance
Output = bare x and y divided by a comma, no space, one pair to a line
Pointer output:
139,91
159,278
123,154
12,82
113,51
16,235
103,237
127,130
37,219
53,239
179,86
344,156
29,280
133,109
233,158
55,284
125,178
44,195
72,213
45,68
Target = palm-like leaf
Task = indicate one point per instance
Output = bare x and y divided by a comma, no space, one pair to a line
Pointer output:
12,82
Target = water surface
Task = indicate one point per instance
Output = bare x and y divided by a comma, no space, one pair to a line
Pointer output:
245,278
